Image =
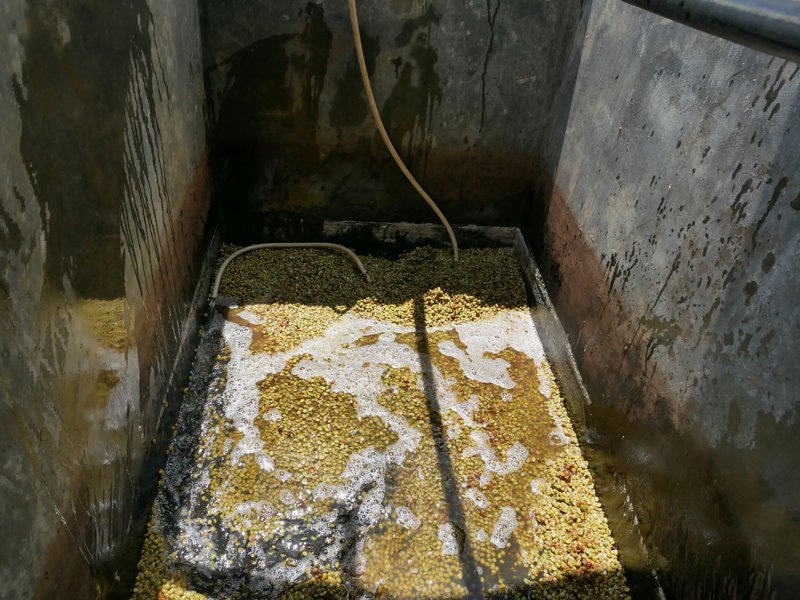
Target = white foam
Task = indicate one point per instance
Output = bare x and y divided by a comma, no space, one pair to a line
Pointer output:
514,330
557,437
323,524
250,317
359,370
504,526
272,415
477,367
406,518
538,486
261,510
516,456
282,475
447,535
477,497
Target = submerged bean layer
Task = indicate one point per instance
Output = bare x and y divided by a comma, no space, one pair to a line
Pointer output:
396,439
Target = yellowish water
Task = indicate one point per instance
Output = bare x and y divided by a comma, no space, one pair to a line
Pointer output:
341,441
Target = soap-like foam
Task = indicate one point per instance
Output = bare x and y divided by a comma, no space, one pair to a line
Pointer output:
447,535
477,367
504,526
406,518
516,456
287,497
538,486
361,489
477,497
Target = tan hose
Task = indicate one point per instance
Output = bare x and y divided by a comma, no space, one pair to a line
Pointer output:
362,65
224,265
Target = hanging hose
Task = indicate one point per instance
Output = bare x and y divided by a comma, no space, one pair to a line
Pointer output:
362,65
224,265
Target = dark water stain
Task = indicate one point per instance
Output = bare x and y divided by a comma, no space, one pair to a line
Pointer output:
779,187
10,234
737,208
768,262
265,135
89,93
408,111
412,26
763,347
775,88
349,105
750,289
663,332
70,123
707,320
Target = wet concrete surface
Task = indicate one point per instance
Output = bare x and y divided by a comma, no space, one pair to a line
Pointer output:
668,246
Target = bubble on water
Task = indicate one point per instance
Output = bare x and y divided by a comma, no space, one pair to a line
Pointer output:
477,497
287,497
507,396
272,415
282,475
557,437
261,511
538,486
323,525
371,505
249,317
406,518
359,564
447,535
265,461
504,527
323,492
481,535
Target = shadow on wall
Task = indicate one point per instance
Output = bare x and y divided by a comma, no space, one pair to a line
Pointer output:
267,153
265,135
84,343
295,143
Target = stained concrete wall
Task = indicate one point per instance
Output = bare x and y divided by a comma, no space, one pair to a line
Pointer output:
103,200
469,91
670,245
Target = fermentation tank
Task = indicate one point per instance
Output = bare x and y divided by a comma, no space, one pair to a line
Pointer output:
400,299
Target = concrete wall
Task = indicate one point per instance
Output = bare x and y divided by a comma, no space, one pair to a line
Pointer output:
103,201
670,245
469,92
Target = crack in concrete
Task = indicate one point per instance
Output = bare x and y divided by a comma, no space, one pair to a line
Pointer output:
491,17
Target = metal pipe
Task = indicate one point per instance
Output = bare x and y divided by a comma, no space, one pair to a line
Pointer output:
771,26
